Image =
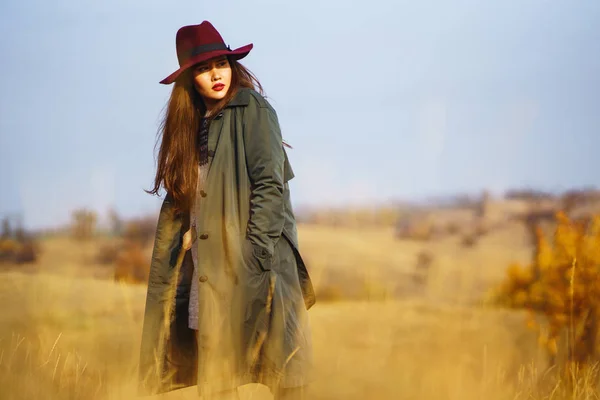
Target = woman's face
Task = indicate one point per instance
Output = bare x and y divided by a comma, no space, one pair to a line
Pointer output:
212,79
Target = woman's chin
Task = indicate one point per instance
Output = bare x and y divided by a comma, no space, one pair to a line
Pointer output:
218,95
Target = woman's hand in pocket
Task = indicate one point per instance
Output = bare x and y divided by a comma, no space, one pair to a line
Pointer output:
249,252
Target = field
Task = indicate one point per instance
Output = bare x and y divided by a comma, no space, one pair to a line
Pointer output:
68,331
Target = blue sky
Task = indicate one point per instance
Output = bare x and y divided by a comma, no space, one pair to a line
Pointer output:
381,100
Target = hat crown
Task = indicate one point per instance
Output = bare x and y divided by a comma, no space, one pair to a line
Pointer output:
196,36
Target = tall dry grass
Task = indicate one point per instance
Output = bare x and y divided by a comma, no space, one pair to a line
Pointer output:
67,335
55,348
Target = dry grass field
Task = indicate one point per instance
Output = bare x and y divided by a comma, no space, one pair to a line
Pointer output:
68,331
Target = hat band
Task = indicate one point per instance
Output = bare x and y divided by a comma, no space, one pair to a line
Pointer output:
205,48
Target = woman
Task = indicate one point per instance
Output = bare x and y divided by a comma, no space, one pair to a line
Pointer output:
233,310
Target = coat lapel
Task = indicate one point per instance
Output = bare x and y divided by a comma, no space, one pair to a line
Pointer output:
216,125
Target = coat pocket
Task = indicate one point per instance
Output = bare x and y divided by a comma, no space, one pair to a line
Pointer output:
256,257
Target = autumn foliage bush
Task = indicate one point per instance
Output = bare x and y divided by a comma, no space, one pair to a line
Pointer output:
561,290
19,252
16,245
132,264
126,252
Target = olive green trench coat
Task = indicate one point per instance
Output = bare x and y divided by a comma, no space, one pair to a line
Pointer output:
254,288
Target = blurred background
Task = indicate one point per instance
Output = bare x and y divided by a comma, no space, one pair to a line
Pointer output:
446,189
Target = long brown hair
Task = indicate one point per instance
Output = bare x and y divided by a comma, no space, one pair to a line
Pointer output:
177,161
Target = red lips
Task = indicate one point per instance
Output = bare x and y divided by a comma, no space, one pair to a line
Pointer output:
218,87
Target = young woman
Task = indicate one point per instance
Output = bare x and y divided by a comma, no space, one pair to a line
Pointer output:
233,309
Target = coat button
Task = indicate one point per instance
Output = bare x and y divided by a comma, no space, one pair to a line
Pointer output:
204,236
211,153
203,278
202,193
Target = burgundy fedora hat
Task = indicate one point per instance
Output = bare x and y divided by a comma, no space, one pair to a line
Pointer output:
197,43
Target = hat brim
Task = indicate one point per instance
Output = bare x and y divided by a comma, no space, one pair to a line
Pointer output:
236,54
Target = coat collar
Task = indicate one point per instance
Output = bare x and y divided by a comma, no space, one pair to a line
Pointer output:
241,98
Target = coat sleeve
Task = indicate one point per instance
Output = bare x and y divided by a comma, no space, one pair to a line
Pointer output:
265,161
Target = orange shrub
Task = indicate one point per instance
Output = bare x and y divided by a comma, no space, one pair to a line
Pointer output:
132,265
561,285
